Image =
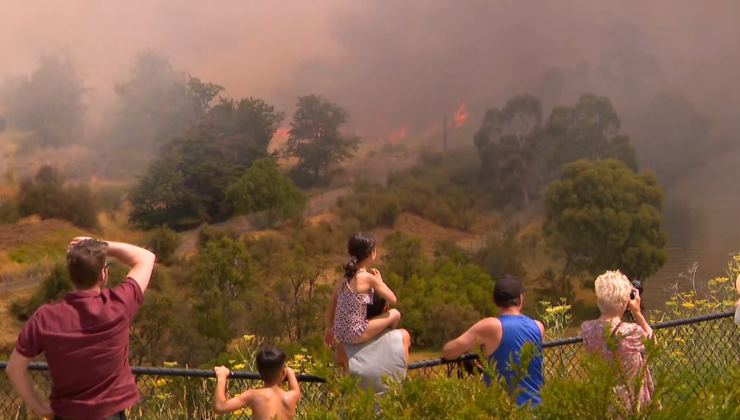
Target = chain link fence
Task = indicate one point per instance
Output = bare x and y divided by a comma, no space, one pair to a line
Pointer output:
698,350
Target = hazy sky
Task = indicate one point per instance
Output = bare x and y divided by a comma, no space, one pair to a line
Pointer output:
392,63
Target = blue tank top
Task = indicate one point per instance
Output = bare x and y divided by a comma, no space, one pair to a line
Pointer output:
518,329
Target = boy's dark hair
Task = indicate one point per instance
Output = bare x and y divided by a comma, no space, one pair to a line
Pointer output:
270,363
85,262
378,306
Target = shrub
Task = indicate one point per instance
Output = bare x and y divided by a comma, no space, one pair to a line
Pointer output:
208,233
79,207
9,213
164,242
54,287
371,205
48,197
264,188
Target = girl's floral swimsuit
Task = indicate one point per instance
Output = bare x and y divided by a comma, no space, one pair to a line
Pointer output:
350,319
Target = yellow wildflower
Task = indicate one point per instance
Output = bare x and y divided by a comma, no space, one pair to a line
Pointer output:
721,280
688,305
249,337
169,364
239,366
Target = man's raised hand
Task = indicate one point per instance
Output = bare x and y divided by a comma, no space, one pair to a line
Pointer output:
76,241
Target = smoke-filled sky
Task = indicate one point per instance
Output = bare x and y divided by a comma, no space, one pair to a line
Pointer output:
391,63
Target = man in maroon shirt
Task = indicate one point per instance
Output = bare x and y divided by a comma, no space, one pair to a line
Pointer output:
85,337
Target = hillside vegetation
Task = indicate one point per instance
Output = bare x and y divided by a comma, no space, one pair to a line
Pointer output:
249,209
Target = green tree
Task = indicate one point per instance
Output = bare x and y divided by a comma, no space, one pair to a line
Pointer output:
447,293
501,256
248,123
264,188
314,138
301,294
49,102
161,196
509,144
403,255
152,329
588,130
187,185
603,216
221,273
156,104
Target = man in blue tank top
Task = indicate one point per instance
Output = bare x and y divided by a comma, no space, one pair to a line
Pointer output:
502,338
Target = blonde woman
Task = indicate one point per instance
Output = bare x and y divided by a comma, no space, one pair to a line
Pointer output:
614,295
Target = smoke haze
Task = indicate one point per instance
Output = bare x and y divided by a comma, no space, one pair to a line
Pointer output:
392,64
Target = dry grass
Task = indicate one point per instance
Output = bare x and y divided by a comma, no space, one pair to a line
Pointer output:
118,229
428,232
9,326
34,241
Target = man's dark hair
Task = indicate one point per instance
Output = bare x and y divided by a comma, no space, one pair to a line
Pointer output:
270,363
85,262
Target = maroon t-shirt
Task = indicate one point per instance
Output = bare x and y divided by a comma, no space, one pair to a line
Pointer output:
85,338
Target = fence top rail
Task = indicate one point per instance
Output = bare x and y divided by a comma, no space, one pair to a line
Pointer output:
201,373
191,373
578,339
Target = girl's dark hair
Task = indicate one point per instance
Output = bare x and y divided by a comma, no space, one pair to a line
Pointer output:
360,247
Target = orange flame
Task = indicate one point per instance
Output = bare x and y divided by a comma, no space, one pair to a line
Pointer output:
395,136
281,133
461,116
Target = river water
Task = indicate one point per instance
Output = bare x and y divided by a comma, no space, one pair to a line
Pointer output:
700,215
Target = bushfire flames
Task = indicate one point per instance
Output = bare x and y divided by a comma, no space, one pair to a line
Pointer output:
281,133
460,117
394,136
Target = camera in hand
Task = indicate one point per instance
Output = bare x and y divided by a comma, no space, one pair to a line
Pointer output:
637,284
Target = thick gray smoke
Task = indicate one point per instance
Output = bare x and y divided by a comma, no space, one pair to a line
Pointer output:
393,64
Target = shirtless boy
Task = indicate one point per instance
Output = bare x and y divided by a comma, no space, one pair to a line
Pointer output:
269,402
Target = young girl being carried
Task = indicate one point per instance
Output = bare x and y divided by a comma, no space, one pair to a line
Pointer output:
347,315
